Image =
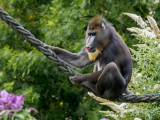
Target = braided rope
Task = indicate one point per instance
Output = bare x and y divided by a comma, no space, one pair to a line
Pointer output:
63,65
138,98
35,42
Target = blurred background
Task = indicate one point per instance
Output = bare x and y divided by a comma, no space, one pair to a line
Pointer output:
63,23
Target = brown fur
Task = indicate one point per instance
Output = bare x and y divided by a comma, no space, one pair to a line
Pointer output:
96,21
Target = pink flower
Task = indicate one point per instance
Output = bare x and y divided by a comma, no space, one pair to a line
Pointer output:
104,119
33,109
11,101
3,93
20,99
2,107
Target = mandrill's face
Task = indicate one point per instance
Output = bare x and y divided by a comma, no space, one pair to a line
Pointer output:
94,34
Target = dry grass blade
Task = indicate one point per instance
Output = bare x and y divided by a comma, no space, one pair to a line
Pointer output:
137,18
153,24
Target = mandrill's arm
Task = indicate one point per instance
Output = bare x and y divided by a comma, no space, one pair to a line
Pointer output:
78,60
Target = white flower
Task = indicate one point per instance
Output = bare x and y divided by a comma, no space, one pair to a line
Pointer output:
142,32
144,88
137,18
153,25
155,42
148,34
122,105
156,1
158,45
148,28
156,87
139,75
137,119
134,29
137,93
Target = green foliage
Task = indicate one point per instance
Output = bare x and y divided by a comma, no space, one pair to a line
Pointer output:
24,114
63,23
145,78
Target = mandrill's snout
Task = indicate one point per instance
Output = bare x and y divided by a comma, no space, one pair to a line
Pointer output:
89,42
88,48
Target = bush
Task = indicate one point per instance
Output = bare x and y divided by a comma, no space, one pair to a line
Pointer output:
145,79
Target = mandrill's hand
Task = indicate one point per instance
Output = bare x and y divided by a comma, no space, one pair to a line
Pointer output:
48,46
45,45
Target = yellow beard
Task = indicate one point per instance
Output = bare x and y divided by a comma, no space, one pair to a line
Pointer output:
93,56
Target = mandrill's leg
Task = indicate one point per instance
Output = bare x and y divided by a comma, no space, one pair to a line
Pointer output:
111,83
87,80
107,83
91,77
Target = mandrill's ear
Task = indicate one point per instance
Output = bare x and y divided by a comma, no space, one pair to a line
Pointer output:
103,26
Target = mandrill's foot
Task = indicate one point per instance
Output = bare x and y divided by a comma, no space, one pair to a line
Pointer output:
128,92
75,79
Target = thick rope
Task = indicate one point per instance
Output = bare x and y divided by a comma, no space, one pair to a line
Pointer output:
63,65
35,42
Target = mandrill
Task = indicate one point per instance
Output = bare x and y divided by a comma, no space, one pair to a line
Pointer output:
110,55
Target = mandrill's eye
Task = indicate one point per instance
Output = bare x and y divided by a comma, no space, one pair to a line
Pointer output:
92,33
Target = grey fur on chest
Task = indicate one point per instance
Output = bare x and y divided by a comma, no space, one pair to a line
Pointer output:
98,66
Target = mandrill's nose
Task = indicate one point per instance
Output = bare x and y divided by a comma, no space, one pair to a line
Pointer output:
89,42
88,48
